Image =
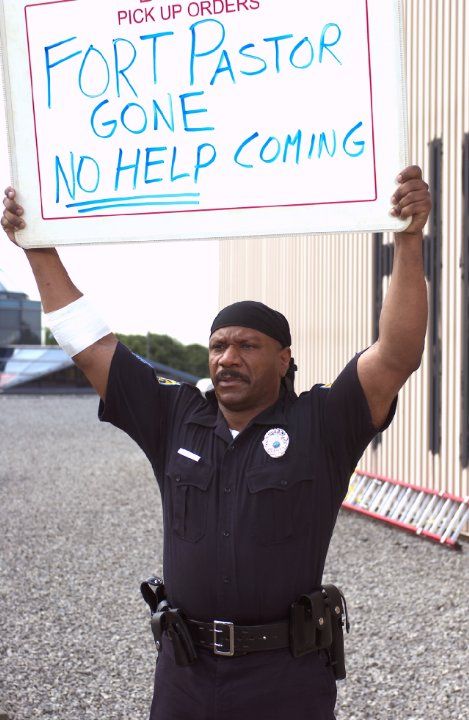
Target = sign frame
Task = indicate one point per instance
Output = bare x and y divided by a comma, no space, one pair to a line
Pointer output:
367,200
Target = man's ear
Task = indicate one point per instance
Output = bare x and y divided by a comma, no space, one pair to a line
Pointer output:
285,356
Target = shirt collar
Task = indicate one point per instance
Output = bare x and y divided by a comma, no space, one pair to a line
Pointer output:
273,415
209,414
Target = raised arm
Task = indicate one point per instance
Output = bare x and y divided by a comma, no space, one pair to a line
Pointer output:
58,291
385,366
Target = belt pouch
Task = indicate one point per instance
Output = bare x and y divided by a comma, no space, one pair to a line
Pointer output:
310,624
336,602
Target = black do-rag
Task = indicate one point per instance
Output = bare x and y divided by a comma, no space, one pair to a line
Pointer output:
257,316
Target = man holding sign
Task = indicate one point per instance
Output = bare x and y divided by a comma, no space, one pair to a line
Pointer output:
252,478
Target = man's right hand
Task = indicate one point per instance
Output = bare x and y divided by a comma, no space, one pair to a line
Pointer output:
57,290
12,218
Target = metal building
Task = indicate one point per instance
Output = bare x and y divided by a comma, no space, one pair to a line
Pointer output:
331,287
20,317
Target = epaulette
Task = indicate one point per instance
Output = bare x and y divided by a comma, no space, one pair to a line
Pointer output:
166,381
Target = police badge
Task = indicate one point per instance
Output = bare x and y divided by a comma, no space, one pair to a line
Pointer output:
276,442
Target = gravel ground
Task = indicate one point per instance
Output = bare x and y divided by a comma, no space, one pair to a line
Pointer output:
80,520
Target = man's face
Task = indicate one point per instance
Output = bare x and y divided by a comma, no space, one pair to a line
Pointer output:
246,367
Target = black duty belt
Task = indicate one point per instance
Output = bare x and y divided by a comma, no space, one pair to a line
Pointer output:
315,623
225,638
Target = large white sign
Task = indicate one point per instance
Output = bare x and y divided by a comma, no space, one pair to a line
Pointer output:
203,118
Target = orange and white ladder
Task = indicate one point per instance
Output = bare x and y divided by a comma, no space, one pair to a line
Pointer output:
436,515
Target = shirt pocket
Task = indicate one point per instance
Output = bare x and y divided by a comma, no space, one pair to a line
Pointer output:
279,499
190,482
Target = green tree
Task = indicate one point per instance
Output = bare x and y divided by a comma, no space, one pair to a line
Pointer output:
163,349
168,351
197,358
49,338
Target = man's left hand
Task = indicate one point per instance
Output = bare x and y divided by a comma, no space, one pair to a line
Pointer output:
412,199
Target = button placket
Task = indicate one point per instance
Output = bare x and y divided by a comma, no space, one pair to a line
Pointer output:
226,499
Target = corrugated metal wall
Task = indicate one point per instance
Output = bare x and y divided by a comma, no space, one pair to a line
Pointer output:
324,284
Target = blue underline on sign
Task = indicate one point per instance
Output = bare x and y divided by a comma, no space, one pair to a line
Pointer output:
137,204
133,197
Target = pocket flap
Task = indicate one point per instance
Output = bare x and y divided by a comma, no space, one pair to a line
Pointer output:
274,475
184,471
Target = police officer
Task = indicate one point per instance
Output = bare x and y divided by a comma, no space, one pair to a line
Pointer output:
251,477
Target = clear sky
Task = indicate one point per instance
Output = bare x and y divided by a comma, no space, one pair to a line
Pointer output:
169,288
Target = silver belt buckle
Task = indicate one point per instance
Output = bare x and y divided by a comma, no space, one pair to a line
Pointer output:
220,626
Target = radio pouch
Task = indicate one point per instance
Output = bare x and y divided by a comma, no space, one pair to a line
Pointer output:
310,624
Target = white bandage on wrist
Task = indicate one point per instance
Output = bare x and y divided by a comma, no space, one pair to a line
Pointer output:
76,326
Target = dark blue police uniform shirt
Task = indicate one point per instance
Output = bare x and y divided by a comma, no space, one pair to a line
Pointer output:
244,533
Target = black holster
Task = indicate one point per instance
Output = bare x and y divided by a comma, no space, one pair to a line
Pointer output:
316,623
164,618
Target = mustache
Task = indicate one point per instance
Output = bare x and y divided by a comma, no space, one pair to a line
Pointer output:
231,375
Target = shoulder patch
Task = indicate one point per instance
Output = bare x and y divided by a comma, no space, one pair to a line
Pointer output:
166,381
326,386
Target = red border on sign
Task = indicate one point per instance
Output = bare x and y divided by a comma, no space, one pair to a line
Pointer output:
200,210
